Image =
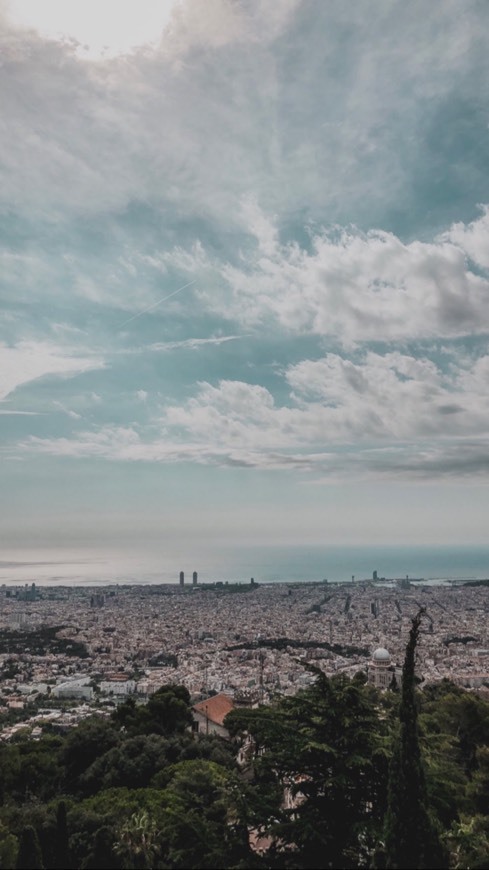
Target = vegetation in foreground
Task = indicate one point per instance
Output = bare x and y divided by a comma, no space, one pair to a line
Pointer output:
339,776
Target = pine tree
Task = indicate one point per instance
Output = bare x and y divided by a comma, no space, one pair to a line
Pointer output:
411,839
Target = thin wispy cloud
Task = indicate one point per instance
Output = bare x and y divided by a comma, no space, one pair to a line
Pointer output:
195,343
18,413
30,361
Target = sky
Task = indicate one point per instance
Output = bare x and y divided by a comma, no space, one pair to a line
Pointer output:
244,273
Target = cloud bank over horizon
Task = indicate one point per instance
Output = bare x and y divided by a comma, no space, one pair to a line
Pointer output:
257,243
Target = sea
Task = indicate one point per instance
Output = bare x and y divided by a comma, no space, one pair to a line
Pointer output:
266,564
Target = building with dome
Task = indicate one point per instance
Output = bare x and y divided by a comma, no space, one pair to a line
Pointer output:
381,670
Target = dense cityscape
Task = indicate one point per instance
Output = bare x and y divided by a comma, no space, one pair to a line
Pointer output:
68,651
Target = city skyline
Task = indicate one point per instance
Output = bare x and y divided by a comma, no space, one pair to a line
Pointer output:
245,274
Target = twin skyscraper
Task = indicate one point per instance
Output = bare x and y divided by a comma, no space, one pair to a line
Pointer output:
182,578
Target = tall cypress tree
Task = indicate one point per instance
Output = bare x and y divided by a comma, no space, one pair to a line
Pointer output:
29,856
411,839
62,852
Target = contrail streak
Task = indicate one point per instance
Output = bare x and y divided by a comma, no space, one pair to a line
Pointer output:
155,305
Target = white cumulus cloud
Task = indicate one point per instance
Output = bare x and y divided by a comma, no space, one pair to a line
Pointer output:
361,286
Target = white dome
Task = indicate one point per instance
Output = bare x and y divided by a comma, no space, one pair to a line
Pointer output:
381,655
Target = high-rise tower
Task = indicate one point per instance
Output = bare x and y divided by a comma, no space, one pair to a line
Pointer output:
182,578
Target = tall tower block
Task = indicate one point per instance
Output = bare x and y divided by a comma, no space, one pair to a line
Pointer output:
182,578
194,578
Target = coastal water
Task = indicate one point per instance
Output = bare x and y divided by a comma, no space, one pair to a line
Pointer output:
266,564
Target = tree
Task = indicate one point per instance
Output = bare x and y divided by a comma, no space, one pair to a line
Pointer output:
132,763
468,842
166,713
96,823
323,748
411,839
29,856
90,740
137,841
168,710
62,851
102,856
204,820
8,848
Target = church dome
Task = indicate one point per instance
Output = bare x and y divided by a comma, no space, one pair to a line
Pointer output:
381,656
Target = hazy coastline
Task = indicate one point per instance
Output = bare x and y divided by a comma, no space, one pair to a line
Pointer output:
273,564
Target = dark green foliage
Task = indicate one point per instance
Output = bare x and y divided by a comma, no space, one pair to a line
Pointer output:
208,748
127,716
41,817
411,838
205,817
283,643
30,769
40,641
138,845
9,770
468,841
141,791
102,856
167,712
137,762
29,856
61,844
454,737
94,823
84,745
164,659
133,763
325,747
9,847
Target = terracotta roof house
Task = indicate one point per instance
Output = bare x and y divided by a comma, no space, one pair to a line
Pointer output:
209,714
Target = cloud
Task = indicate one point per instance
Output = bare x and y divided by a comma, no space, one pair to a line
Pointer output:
460,459
313,170
97,137
192,343
356,286
119,168
473,238
69,413
234,102
29,361
193,27
118,443
19,413
463,459
385,397
391,414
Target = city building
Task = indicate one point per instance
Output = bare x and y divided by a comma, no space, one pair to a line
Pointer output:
381,672
209,714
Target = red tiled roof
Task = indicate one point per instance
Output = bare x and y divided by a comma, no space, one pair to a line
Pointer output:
215,708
